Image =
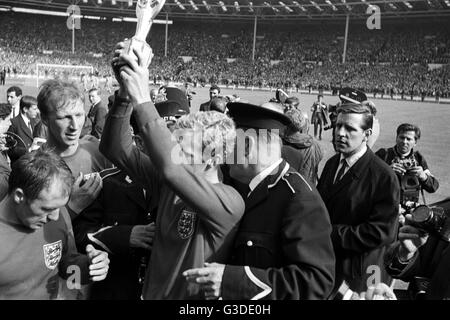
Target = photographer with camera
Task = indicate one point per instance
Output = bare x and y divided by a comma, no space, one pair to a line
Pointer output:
421,255
410,167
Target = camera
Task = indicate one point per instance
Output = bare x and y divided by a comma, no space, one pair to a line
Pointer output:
407,163
409,183
433,220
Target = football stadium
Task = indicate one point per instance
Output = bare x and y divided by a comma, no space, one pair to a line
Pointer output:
245,62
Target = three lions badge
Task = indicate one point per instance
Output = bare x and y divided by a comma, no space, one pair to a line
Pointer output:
52,254
186,224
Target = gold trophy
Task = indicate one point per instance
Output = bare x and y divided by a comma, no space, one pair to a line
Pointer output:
146,11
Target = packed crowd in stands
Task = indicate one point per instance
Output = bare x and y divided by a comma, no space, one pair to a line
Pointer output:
391,61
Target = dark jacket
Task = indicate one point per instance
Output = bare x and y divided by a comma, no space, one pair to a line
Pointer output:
282,248
19,127
389,155
431,261
205,106
107,224
363,208
303,153
5,171
96,116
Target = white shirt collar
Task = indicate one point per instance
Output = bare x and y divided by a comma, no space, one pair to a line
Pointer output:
262,175
16,109
355,157
25,119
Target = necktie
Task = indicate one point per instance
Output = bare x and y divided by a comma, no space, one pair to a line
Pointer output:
341,170
30,127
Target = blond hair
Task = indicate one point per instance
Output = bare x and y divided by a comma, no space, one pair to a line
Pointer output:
218,131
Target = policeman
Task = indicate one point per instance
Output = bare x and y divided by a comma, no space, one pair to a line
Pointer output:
282,249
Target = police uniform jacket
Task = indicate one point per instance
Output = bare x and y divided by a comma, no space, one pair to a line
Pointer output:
282,249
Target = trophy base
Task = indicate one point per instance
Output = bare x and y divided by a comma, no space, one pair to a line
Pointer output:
140,46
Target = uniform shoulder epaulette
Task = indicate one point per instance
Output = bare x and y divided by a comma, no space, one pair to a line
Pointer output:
105,173
294,178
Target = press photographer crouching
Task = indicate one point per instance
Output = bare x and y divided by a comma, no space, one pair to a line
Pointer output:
410,167
421,256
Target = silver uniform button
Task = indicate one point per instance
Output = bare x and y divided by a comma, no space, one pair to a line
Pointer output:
249,243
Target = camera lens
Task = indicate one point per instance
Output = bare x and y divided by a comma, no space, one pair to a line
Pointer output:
421,214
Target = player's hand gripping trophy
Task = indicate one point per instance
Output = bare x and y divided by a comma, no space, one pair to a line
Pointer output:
146,11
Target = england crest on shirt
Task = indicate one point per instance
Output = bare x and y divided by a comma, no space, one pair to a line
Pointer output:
186,224
52,254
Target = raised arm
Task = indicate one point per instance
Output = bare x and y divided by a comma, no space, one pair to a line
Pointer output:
212,203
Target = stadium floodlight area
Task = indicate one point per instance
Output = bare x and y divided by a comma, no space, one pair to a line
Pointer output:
54,67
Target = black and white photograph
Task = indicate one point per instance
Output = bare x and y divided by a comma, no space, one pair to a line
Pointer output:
205,151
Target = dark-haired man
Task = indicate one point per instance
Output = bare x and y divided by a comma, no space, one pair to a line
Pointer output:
37,243
319,116
96,115
214,91
409,165
22,126
362,196
13,96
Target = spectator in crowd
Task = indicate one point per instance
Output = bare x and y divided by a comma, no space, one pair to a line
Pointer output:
214,91
401,63
2,76
319,116
376,124
189,93
218,104
23,126
62,111
294,103
409,165
196,212
299,149
13,96
153,95
362,196
282,249
96,116
37,241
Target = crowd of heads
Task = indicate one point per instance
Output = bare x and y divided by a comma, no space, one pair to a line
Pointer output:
392,62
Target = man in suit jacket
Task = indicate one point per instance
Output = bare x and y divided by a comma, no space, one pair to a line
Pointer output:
362,195
97,114
22,126
214,91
